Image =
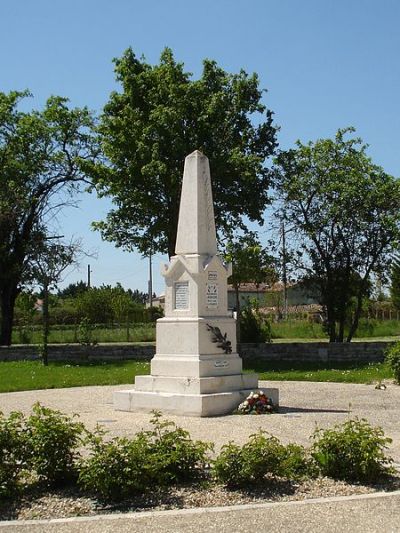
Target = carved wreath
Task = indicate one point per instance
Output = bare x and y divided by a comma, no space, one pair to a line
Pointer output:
217,337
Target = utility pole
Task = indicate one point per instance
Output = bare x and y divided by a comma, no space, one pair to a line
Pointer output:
88,276
150,282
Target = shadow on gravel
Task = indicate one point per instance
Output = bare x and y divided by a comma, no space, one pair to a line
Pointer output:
286,410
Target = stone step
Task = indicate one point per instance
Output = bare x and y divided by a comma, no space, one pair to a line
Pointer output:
186,385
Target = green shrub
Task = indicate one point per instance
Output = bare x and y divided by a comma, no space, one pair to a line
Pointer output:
53,440
352,451
164,455
117,468
174,456
297,463
238,466
12,453
392,358
254,326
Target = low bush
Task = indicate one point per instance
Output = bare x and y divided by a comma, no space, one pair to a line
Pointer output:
164,455
174,456
238,466
254,325
115,469
298,463
353,451
12,453
53,440
392,358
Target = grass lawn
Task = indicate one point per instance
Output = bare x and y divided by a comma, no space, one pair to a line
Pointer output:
336,372
32,375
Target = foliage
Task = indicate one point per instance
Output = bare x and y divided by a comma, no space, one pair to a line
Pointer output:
115,468
101,305
164,455
73,289
175,456
250,263
392,358
353,451
254,325
53,440
345,213
298,463
42,154
12,453
25,309
395,283
262,454
138,296
85,333
160,117
47,268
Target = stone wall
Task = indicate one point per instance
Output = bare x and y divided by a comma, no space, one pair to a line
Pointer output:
78,353
315,351
296,351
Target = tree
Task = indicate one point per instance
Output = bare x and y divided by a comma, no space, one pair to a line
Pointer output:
395,283
42,159
148,129
138,296
345,212
73,290
47,268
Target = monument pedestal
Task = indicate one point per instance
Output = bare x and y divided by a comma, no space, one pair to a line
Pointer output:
214,404
196,370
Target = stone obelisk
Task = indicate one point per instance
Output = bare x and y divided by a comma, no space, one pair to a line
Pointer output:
196,370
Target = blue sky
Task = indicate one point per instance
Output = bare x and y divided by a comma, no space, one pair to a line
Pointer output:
326,64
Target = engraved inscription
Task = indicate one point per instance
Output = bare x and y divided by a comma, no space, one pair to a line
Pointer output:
182,295
212,275
212,295
221,364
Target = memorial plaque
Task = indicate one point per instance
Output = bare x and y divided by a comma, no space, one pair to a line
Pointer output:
212,295
182,295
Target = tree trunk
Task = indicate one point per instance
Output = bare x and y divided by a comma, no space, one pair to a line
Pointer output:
8,296
331,324
342,322
45,324
356,319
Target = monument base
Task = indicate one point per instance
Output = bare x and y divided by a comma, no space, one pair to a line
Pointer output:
202,405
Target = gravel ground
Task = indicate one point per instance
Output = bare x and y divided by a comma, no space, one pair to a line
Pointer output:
41,504
303,406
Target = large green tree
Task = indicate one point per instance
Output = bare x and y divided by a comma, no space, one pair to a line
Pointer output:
42,156
160,116
345,213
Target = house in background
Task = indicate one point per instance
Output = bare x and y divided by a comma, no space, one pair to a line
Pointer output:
271,296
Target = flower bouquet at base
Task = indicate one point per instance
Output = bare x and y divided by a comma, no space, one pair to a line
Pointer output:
257,403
